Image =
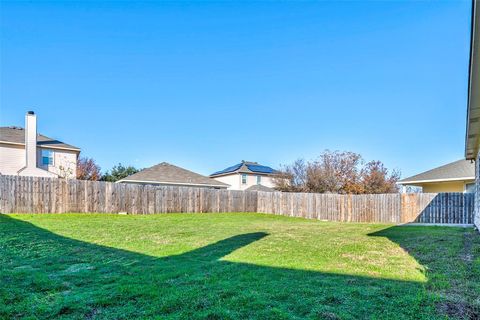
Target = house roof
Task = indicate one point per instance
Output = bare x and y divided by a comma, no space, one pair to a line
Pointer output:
16,135
246,167
165,173
455,171
472,136
259,187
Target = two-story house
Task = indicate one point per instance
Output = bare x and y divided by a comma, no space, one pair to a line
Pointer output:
24,152
247,176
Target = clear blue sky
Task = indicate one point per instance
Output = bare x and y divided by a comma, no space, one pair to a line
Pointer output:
204,85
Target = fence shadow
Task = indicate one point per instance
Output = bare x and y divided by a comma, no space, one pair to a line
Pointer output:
45,275
438,208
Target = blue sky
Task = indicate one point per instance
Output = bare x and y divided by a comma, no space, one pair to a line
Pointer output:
206,84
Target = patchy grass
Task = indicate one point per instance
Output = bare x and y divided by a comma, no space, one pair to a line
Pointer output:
231,266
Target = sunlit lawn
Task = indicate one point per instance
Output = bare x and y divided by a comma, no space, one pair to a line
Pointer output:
233,266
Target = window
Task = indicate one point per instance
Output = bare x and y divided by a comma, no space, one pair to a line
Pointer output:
244,179
259,179
470,187
47,157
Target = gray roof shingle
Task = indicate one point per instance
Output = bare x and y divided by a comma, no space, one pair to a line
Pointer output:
458,170
17,135
165,173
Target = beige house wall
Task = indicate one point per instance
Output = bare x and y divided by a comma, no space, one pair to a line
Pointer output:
436,187
64,162
12,159
235,181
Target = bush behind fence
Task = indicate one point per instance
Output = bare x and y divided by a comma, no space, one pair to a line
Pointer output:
44,195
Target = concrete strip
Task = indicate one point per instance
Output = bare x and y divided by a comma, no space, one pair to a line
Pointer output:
438,225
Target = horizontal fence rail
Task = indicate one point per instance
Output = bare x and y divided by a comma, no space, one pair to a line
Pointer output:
45,195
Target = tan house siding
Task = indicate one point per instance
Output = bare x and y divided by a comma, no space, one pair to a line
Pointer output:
64,162
454,186
12,158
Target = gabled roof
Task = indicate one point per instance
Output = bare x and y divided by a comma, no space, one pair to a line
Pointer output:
246,167
259,187
456,171
16,135
165,173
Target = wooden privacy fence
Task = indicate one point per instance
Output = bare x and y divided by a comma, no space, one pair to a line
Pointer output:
455,208
45,195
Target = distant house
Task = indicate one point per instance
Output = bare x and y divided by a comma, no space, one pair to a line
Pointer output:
165,174
458,176
24,152
245,175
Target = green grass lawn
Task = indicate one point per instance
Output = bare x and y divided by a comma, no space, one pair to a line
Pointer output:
233,266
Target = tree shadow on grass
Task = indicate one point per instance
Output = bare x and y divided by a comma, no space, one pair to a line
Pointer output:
44,275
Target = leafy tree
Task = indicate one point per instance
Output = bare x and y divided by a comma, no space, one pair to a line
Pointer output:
119,172
87,169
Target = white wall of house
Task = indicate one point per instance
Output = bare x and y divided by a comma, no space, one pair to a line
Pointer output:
13,158
232,179
235,180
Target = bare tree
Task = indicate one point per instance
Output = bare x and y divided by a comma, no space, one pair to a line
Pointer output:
341,172
292,177
335,172
87,169
376,179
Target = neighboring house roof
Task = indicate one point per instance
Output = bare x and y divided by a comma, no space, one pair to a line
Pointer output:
16,135
259,187
472,136
455,171
165,173
246,167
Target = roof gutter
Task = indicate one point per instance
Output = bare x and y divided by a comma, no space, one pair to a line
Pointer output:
436,180
472,139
